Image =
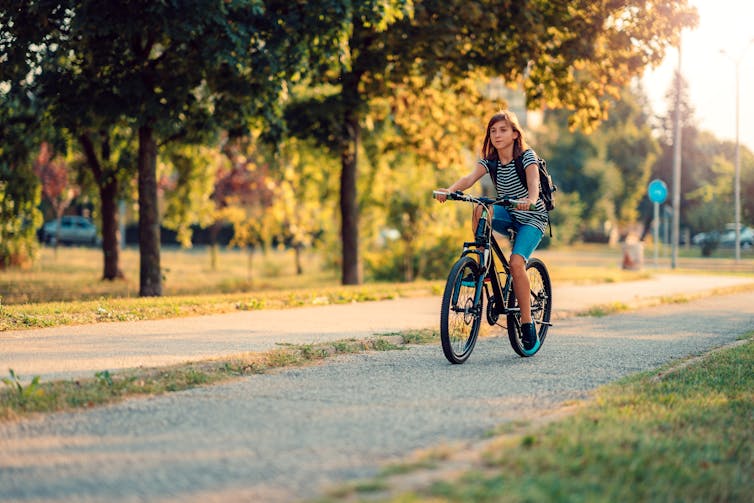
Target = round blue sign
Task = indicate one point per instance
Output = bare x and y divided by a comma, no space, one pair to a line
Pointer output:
658,191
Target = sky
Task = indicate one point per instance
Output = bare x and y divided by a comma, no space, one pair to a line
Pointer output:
726,25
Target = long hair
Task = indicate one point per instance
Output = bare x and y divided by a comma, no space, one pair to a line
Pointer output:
489,151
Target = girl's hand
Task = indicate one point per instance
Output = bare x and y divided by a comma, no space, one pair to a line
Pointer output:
441,194
526,204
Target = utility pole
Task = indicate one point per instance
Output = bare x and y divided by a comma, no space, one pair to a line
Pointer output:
737,175
676,165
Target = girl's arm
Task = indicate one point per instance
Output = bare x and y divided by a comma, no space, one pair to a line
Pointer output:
465,182
532,186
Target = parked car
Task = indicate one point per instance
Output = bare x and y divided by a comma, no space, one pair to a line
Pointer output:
703,237
728,237
73,230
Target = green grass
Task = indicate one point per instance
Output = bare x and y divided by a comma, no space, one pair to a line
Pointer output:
74,274
682,433
48,314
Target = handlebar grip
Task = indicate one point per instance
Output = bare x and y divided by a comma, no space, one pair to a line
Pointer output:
509,203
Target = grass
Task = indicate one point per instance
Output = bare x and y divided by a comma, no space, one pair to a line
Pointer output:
682,433
48,314
65,289
18,400
74,274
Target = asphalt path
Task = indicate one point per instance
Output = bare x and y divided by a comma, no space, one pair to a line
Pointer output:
82,350
291,434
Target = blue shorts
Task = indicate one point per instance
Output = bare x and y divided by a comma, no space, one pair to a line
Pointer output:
527,236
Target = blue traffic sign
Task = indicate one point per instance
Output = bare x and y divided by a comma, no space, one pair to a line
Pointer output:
658,191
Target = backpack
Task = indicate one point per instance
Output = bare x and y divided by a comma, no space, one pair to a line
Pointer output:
546,186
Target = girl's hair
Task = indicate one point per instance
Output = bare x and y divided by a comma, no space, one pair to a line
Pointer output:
489,151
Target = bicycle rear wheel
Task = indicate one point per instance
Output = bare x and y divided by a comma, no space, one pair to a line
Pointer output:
540,299
461,312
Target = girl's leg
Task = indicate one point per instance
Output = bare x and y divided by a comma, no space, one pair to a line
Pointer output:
527,240
521,286
475,218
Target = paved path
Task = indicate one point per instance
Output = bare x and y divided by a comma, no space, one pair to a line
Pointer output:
82,350
289,435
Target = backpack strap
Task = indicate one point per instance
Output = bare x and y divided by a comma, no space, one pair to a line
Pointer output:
521,172
492,170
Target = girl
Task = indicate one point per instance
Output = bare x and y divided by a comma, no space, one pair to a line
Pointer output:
503,143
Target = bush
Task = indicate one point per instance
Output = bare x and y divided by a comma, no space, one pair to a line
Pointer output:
432,261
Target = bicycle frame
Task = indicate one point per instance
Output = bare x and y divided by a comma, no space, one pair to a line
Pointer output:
486,247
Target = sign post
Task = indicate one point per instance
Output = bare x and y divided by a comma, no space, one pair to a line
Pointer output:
658,192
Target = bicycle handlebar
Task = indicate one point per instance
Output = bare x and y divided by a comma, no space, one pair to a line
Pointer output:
460,196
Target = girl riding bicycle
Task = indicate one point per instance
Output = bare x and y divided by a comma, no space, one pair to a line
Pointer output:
503,143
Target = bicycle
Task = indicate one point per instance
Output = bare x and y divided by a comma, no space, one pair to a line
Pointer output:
476,276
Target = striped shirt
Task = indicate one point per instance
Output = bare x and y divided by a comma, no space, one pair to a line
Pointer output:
508,185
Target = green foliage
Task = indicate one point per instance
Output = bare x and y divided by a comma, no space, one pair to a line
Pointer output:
590,56
191,172
20,192
306,192
566,221
707,171
714,199
433,260
606,171
22,395
104,378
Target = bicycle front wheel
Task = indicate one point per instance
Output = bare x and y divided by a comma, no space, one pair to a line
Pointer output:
540,299
461,312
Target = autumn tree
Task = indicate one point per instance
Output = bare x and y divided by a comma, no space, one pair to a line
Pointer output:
566,55
305,192
57,187
244,194
189,174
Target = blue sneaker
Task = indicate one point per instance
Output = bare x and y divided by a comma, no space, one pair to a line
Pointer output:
529,337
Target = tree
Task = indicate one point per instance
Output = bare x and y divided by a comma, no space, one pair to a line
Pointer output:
110,158
174,71
304,194
632,150
57,189
19,187
605,173
567,55
190,173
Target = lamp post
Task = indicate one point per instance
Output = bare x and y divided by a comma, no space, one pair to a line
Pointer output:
737,175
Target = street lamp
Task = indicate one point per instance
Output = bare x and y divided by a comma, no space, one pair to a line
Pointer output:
737,176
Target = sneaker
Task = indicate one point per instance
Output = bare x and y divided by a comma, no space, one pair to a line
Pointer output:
529,336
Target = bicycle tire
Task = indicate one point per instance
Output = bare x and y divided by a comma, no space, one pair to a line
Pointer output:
460,317
540,298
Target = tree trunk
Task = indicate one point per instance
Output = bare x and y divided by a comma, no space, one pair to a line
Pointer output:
108,192
214,231
107,182
408,261
299,267
150,275
349,211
